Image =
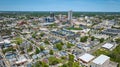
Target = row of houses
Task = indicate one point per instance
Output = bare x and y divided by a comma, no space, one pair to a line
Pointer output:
111,32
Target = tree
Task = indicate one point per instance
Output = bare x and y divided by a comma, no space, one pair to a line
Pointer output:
71,57
8,49
61,43
34,35
42,34
76,64
84,39
40,64
51,52
42,48
64,57
37,64
59,46
44,64
29,49
101,40
92,38
65,65
18,40
53,60
37,51
71,62
69,45
46,41
117,40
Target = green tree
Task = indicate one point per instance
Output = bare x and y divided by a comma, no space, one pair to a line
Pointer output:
42,48
92,38
51,52
42,34
46,41
59,46
101,40
76,64
71,57
18,40
71,62
53,60
8,49
37,51
117,40
43,64
84,39
69,45
64,57
34,35
65,65
40,64
29,49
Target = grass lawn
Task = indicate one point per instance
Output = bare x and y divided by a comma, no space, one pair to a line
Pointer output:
101,51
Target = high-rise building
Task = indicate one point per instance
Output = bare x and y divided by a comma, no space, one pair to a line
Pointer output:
52,16
70,16
60,17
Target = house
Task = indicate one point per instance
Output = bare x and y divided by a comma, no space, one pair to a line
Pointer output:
11,56
7,43
63,53
21,60
86,49
1,44
101,61
34,57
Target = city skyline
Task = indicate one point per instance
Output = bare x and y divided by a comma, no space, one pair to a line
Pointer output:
59,33
61,5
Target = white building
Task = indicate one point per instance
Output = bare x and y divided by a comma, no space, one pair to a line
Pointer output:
108,46
101,61
86,59
7,41
69,16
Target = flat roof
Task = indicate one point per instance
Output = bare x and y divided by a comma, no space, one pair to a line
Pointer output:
108,45
1,42
7,41
101,59
86,57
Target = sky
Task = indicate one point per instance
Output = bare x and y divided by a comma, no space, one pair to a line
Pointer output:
61,5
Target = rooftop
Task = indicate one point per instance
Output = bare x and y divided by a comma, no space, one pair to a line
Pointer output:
86,57
101,59
108,45
7,41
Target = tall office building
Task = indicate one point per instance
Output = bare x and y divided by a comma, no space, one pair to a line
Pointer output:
52,16
60,17
70,16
